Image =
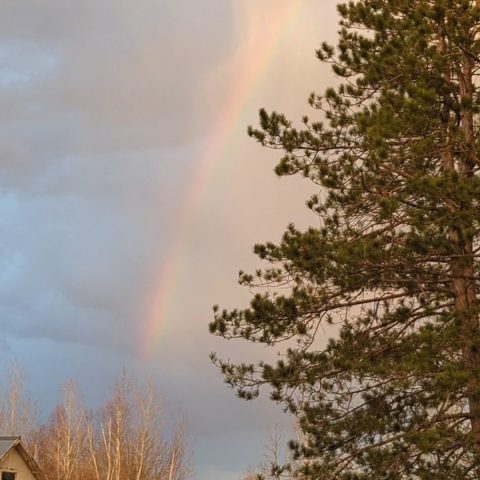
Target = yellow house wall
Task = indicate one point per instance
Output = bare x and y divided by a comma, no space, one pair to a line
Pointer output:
14,462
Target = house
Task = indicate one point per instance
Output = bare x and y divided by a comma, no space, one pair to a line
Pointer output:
16,463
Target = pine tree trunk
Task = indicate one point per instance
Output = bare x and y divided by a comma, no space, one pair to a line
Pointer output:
462,266
466,311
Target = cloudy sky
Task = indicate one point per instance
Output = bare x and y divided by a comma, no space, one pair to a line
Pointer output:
131,196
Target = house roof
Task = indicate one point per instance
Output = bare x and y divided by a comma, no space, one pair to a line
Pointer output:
7,444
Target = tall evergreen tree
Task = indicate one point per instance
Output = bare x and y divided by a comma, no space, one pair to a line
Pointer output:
394,393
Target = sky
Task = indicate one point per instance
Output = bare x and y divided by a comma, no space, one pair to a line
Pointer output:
131,196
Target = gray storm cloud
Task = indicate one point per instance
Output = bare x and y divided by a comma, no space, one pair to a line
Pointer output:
97,101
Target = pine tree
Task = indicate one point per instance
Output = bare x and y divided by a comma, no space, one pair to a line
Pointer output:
394,392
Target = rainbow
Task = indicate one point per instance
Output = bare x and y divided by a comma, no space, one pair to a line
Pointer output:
251,66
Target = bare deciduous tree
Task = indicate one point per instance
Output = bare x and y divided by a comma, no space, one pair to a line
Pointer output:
64,437
18,414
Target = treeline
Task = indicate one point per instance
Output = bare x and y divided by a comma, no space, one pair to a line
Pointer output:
124,439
